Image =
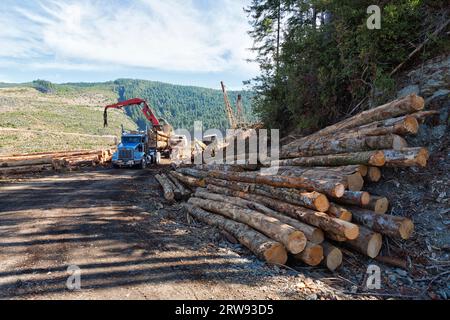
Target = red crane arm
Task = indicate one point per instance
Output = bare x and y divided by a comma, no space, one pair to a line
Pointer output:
148,113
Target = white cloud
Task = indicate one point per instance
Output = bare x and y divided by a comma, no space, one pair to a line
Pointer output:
173,35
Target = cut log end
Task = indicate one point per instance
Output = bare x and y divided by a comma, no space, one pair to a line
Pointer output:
411,125
312,255
351,231
355,182
338,190
346,216
381,205
333,257
276,254
406,229
417,102
365,198
296,242
399,143
377,159
422,157
373,174
321,203
374,245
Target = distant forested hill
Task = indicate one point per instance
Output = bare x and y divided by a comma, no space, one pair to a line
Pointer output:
181,105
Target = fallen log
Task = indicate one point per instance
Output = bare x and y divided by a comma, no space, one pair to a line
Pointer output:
336,145
339,212
29,162
377,204
422,115
167,187
368,243
407,157
352,181
328,187
403,125
312,255
393,226
187,180
25,169
372,158
293,240
332,256
405,105
176,191
312,234
357,198
264,248
193,172
308,216
184,192
373,174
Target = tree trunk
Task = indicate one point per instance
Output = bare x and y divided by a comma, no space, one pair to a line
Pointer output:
339,212
25,169
176,191
294,240
184,192
407,157
312,234
356,198
402,106
377,204
28,162
187,180
332,256
263,247
404,125
336,145
373,158
393,226
167,187
312,255
328,187
368,243
316,219
193,172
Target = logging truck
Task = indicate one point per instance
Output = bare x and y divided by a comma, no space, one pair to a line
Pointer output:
140,148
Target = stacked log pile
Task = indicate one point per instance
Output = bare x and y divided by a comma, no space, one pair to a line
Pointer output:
310,204
48,161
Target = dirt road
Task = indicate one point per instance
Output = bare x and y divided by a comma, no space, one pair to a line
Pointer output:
112,225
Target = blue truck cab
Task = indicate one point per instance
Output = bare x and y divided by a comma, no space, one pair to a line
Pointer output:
135,150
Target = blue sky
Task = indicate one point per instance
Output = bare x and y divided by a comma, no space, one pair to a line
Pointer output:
192,42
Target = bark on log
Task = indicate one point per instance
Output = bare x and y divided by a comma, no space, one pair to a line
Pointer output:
184,192
401,106
377,204
199,174
25,169
339,212
373,174
312,255
356,198
176,191
373,158
393,226
336,145
263,247
167,187
422,115
317,219
328,187
407,157
368,243
294,240
311,233
332,256
187,180
28,162
404,125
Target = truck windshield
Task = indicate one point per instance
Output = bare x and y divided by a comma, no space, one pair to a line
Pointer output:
131,139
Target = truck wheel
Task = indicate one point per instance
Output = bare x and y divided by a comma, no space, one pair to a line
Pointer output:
143,164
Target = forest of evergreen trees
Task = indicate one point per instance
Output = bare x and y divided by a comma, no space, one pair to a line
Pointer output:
320,62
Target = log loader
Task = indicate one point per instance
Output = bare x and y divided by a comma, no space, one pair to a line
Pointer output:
140,148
